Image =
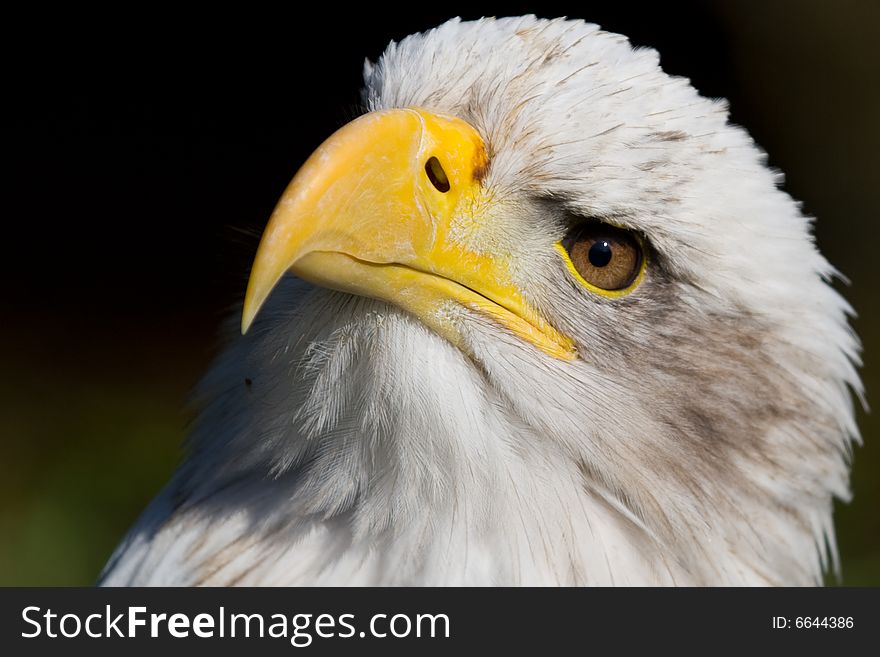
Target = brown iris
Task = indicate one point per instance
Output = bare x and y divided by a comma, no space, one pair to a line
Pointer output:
607,257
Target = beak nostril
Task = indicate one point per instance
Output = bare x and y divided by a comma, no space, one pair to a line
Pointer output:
436,174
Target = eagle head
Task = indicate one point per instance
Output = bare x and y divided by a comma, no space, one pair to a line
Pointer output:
552,320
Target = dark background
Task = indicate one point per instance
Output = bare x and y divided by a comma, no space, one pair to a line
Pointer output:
148,149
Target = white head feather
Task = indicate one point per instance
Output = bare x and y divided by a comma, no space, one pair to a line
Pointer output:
700,439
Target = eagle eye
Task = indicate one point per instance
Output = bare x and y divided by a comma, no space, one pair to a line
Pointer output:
437,175
606,259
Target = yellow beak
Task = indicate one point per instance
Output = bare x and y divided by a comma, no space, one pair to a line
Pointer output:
374,212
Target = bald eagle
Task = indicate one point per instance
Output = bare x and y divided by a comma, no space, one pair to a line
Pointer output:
552,321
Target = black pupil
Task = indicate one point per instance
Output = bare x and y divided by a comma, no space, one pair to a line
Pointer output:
600,253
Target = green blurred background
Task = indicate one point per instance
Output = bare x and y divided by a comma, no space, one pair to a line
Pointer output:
147,161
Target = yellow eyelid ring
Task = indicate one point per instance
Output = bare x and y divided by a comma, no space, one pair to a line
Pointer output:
609,294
